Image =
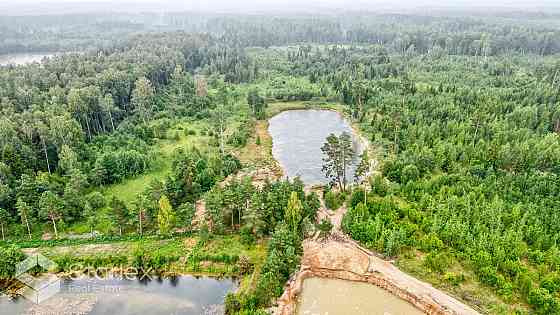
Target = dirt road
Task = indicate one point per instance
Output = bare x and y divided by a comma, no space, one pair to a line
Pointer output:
339,257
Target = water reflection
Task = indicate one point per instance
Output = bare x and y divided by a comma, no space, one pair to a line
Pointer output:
118,296
297,138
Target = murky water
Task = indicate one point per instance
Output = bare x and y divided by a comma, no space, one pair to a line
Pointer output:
185,295
24,58
297,138
337,297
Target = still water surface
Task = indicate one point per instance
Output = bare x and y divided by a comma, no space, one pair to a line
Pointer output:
338,297
297,138
185,295
23,58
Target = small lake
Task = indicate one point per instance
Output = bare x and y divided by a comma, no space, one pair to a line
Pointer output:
185,295
23,58
338,297
297,138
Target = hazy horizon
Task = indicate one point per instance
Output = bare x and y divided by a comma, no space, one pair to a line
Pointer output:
38,7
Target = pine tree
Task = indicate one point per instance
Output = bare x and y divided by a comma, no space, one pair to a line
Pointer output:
338,157
362,169
120,213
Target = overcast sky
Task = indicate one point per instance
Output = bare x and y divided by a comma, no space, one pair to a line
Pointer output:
12,7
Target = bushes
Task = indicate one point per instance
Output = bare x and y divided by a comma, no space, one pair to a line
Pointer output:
358,195
430,242
10,256
194,173
325,227
334,200
97,240
231,164
284,253
247,236
379,186
551,282
68,263
409,173
239,137
185,215
544,302
112,167
454,279
146,261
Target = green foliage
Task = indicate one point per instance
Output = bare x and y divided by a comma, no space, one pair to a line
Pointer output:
185,215
293,214
67,263
146,260
379,186
166,216
430,242
454,279
247,236
551,282
284,250
10,256
325,227
409,173
338,153
358,196
194,173
334,200
257,104
438,262
464,117
543,301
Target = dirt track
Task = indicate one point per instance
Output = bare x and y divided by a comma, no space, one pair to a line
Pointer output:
339,257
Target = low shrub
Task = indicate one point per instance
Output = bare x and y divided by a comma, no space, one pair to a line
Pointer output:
333,200
437,262
10,256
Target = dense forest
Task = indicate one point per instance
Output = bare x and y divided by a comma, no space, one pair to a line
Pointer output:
478,35
463,113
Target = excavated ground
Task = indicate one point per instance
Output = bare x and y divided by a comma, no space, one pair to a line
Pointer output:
339,257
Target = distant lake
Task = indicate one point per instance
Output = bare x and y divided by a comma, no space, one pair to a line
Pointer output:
185,295
297,138
23,58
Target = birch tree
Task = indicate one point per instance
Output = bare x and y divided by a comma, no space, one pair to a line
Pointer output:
50,207
4,220
23,212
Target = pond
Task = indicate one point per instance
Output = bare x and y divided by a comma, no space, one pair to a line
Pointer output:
23,58
185,295
339,297
297,138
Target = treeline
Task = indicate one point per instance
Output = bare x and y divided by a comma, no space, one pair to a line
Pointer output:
476,35
82,121
469,171
280,210
469,159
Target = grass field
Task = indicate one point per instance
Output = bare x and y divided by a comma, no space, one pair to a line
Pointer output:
278,107
130,188
186,248
468,288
